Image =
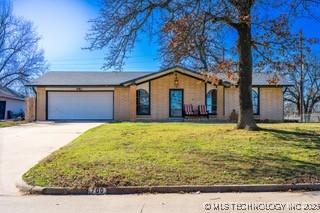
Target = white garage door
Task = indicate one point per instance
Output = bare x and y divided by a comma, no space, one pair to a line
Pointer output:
80,105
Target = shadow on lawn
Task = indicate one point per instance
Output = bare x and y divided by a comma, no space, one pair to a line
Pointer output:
305,139
293,169
268,169
279,167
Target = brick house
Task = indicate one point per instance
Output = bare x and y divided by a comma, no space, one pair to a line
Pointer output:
159,95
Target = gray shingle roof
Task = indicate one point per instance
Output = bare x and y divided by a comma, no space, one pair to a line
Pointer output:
73,78
9,93
261,79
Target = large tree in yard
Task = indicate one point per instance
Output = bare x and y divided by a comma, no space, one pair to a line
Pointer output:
21,59
190,29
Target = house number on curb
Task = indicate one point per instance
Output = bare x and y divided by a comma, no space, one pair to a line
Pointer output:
97,191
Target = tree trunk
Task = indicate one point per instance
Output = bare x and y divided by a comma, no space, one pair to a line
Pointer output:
246,118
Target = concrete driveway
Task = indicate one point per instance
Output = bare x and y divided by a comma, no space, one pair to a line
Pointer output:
23,146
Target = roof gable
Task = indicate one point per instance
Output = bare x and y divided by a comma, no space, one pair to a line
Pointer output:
164,72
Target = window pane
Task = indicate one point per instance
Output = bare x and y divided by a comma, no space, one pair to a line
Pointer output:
212,101
143,102
209,101
255,102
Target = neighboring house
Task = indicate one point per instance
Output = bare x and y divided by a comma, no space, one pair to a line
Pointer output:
148,96
10,101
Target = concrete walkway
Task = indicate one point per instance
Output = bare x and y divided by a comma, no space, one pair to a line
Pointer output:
23,146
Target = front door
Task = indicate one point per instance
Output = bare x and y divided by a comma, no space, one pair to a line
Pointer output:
175,102
2,109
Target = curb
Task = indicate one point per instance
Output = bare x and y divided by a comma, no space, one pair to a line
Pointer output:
24,187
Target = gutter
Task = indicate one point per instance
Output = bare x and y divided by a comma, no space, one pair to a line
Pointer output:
11,97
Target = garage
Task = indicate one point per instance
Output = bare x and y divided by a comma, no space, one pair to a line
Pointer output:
82,105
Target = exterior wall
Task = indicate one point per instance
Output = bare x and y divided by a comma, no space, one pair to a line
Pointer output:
121,103
271,104
231,101
194,93
220,102
132,103
271,99
30,107
15,106
41,104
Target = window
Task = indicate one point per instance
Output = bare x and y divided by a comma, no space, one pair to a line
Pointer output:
143,102
255,102
212,101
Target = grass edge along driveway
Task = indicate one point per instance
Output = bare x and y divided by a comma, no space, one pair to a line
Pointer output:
10,123
135,154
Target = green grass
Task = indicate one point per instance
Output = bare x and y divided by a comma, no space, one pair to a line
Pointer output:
133,154
10,123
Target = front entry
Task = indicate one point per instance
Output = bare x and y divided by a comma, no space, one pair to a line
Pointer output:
2,109
175,102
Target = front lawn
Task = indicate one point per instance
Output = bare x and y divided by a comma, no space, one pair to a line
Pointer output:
133,154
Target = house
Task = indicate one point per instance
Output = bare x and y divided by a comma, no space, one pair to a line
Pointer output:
159,95
10,101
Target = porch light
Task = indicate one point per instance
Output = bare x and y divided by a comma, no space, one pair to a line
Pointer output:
176,81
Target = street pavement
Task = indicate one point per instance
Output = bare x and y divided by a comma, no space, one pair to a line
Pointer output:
155,203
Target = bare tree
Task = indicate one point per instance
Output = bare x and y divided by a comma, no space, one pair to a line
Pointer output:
304,71
121,21
20,57
193,42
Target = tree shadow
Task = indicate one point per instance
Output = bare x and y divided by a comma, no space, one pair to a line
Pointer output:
266,169
305,138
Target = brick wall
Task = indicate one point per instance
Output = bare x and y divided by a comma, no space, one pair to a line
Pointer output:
271,104
41,104
121,103
194,93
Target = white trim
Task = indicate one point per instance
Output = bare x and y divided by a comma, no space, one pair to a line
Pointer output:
161,73
11,98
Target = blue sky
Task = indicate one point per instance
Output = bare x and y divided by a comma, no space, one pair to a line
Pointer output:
62,24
